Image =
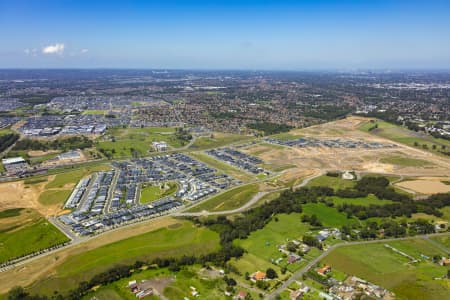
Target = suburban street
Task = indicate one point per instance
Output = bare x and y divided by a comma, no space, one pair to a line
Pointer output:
306,268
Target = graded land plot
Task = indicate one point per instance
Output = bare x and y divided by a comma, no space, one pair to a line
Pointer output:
175,240
54,197
154,192
380,265
223,167
230,199
122,142
425,185
328,216
218,139
401,159
24,231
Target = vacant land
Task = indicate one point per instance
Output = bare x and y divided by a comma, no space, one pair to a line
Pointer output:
94,112
382,266
24,231
155,192
365,201
425,186
71,178
333,182
218,140
173,241
54,197
231,199
124,141
223,167
405,161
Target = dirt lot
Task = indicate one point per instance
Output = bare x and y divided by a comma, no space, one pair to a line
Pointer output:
45,266
35,153
362,160
19,195
426,185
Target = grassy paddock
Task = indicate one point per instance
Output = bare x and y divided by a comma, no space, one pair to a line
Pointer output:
26,233
72,177
405,161
51,197
218,140
166,242
329,216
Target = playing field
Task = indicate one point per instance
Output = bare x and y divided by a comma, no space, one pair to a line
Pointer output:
24,231
178,239
382,266
231,199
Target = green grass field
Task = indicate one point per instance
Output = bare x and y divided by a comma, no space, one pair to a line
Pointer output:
231,199
223,167
8,213
405,161
218,140
50,197
94,112
405,136
366,201
382,266
139,139
155,192
329,216
166,242
27,233
333,182
72,177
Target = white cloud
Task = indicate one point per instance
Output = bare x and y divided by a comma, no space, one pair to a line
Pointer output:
53,49
83,51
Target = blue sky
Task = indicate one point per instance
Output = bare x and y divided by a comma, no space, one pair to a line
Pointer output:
290,35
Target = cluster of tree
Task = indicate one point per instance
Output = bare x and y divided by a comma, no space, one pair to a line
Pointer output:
75,142
183,134
269,128
312,241
7,140
328,112
313,220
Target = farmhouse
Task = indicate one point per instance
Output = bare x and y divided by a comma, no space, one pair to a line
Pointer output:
325,270
258,275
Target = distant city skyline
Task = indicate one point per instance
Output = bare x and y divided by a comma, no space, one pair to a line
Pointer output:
255,35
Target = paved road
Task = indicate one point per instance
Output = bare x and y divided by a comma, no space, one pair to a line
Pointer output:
306,268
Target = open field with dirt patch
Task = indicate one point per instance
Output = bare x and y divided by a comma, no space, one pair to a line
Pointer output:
66,267
401,159
425,186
